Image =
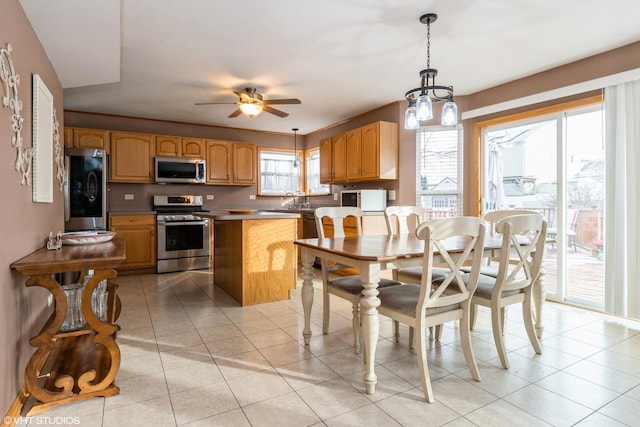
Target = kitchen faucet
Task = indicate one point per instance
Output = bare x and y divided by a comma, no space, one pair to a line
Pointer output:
293,199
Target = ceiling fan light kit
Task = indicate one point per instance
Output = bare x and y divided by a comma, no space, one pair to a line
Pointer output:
421,99
251,110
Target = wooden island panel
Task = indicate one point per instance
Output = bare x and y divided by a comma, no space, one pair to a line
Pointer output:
255,259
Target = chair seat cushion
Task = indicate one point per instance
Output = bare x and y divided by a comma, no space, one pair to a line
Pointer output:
485,287
404,299
353,284
487,270
414,274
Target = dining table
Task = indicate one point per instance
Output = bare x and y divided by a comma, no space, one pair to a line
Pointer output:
376,253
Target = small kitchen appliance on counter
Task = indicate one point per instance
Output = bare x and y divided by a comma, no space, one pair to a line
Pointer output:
183,236
367,200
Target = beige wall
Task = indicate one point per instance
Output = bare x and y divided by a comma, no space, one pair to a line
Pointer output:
25,225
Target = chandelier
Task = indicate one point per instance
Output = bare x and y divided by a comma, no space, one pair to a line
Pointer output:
421,99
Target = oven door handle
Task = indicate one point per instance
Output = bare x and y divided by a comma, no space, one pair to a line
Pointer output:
204,223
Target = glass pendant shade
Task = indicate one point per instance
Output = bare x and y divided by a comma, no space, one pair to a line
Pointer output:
449,114
410,119
251,109
424,108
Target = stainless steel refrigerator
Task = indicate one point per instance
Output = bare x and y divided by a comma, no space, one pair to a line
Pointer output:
85,192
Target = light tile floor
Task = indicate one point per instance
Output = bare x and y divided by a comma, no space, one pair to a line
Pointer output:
192,357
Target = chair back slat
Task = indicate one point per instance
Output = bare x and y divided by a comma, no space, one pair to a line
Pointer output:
519,264
452,289
402,219
337,215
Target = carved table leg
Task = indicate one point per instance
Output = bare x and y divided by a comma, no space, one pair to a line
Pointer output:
369,304
307,292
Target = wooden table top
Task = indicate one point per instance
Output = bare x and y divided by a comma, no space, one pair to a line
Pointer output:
385,247
72,258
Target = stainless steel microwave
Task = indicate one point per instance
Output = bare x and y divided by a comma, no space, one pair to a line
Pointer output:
176,170
367,200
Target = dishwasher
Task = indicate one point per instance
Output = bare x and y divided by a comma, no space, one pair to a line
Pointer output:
309,230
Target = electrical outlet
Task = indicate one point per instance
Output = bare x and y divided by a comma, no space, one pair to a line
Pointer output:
128,196
252,196
392,195
335,196
209,196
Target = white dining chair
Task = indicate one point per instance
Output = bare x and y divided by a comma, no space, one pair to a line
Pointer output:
519,266
444,299
404,220
348,287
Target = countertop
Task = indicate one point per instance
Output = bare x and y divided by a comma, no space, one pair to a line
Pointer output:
226,216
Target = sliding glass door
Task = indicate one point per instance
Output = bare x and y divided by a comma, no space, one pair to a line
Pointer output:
554,164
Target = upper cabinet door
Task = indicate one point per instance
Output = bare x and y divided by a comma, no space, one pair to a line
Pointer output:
218,162
168,146
371,157
193,147
86,138
244,162
339,157
354,154
326,161
132,157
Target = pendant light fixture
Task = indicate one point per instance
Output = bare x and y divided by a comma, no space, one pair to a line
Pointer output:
295,168
421,99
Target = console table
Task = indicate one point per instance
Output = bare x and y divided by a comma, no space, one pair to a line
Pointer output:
75,365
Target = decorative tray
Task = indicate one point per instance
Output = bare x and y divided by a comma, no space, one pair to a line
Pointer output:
242,211
86,237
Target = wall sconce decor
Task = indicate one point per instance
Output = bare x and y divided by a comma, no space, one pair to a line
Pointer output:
10,82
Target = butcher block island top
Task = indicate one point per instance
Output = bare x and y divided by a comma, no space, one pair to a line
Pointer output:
255,260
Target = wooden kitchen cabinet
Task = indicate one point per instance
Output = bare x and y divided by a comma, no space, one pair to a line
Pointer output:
325,160
231,163
168,146
366,153
333,159
379,156
139,233
244,163
86,138
132,157
175,146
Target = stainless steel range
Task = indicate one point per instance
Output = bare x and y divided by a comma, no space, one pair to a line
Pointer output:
183,236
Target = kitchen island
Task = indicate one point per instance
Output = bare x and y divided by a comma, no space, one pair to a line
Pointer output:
255,260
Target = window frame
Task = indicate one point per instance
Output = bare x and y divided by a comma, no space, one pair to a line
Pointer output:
302,169
439,196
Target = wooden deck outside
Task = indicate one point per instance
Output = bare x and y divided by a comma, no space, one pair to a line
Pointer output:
585,275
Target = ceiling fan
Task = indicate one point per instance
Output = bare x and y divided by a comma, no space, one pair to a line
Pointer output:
252,103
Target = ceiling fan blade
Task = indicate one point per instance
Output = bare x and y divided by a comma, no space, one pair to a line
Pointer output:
281,101
216,103
274,111
235,113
